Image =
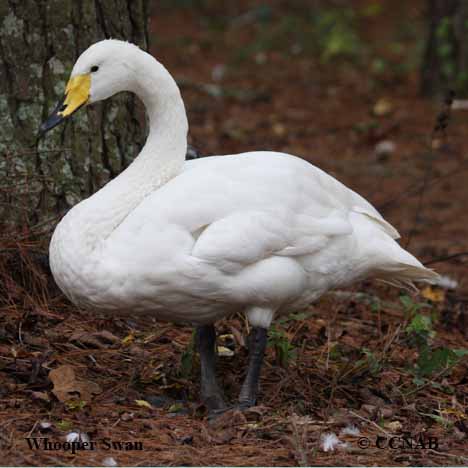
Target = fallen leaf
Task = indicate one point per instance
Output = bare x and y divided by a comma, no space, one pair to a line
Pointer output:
394,426
100,339
225,352
238,336
40,396
387,412
383,107
143,404
434,295
67,385
128,339
279,129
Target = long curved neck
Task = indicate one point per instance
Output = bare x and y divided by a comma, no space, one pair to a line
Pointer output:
161,158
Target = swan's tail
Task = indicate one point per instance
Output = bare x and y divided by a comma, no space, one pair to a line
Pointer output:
391,262
400,267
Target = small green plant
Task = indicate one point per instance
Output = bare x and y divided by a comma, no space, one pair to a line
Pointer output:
284,350
445,49
420,330
410,307
329,33
75,405
431,361
374,364
337,34
440,419
438,360
64,425
186,360
447,53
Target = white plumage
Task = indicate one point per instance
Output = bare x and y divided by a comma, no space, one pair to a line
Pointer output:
263,232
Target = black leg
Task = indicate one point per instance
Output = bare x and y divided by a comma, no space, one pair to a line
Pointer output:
257,345
210,392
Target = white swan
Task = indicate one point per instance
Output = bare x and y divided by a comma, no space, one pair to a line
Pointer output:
264,233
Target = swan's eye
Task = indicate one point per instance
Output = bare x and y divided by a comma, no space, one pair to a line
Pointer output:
94,68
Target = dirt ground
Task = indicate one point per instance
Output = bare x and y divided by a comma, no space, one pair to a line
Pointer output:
384,364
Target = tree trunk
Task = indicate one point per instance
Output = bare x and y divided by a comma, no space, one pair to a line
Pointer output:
39,43
445,64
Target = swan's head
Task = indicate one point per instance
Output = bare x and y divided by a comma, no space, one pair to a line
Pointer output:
101,71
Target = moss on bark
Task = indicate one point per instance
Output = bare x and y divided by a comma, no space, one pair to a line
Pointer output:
39,42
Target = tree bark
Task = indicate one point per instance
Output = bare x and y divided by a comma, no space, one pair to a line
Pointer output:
39,43
445,64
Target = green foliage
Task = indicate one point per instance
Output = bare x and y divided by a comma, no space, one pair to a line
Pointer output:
366,126
64,425
370,363
330,33
75,405
372,9
186,360
335,352
434,361
410,307
440,419
420,330
431,361
445,49
284,349
336,33
447,53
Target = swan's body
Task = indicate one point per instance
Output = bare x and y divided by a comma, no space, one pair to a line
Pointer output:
265,233
227,234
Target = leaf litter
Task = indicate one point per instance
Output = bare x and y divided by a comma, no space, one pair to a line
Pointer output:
351,361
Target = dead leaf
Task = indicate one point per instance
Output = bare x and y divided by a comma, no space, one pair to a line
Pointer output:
222,351
383,107
434,295
279,129
100,339
128,339
143,404
238,336
42,396
394,426
389,378
386,412
67,385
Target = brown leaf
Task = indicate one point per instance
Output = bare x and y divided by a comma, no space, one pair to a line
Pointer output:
371,410
42,396
99,339
433,294
383,107
67,386
238,336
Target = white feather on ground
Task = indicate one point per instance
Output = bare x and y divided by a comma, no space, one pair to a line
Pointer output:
330,442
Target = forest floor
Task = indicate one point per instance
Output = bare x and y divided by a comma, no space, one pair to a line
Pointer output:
373,365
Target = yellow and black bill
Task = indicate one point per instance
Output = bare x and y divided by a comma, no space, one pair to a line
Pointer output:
76,96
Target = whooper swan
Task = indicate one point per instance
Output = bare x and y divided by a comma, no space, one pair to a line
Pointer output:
262,233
